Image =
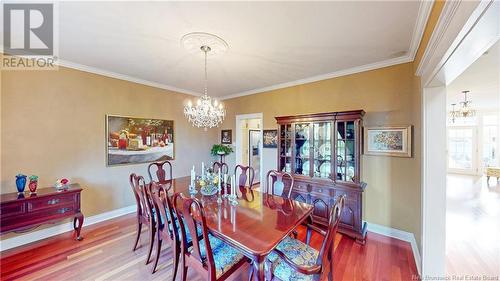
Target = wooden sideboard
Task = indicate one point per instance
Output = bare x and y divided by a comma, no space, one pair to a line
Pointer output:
323,152
21,212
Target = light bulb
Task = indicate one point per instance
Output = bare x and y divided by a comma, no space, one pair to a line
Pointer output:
198,102
215,102
190,103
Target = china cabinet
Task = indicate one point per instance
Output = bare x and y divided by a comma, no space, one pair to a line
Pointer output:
322,152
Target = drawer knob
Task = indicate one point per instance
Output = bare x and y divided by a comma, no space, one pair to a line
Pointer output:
63,210
53,201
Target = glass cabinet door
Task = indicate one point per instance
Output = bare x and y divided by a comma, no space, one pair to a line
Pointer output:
302,149
285,157
346,151
322,149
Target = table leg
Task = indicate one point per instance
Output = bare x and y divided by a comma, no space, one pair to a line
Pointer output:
78,228
258,269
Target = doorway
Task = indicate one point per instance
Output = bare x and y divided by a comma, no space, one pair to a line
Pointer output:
463,33
254,152
249,142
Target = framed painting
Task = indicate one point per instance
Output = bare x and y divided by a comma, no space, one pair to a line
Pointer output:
270,138
388,141
134,140
226,136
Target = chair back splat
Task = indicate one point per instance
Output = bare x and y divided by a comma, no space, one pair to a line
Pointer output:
275,184
161,172
219,166
245,173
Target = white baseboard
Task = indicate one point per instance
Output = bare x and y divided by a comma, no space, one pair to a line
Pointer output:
401,235
61,228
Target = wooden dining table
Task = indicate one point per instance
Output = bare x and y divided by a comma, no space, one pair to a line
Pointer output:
254,226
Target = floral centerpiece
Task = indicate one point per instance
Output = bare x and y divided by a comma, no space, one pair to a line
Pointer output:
209,183
62,184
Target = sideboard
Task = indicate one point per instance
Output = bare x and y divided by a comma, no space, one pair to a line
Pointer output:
23,211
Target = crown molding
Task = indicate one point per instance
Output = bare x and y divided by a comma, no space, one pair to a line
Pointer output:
124,77
444,20
353,70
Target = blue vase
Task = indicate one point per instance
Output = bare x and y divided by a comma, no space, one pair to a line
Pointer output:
20,183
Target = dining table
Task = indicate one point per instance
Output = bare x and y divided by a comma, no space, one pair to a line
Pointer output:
255,223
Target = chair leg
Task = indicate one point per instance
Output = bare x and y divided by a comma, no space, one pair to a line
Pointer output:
139,229
184,269
151,242
177,253
158,250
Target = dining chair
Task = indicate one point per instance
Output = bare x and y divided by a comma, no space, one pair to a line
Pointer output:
211,257
295,260
167,229
161,173
275,184
142,189
246,173
141,213
224,169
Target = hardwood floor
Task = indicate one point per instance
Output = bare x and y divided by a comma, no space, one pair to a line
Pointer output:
106,254
472,226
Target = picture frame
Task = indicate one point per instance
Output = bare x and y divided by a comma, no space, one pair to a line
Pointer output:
270,138
135,140
388,141
226,136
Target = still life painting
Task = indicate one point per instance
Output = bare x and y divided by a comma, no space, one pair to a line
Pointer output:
270,138
132,140
389,141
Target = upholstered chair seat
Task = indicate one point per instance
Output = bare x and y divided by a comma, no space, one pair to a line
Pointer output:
225,256
299,253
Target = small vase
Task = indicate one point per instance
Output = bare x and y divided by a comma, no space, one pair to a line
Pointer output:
20,183
33,185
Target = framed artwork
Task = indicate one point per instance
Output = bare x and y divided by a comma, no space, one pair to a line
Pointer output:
388,141
270,138
226,136
133,140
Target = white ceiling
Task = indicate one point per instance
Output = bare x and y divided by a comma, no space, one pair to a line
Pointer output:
271,44
482,79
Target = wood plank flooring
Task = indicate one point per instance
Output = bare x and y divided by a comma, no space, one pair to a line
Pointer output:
472,226
105,254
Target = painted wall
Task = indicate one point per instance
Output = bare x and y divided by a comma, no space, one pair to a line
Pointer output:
53,125
390,96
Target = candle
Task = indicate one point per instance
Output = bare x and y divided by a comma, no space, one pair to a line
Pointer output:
220,179
233,186
202,170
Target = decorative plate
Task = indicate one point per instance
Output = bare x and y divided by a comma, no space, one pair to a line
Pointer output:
208,191
325,149
325,169
305,149
305,167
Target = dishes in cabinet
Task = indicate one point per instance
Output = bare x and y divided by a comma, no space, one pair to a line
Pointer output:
304,151
325,150
305,167
325,169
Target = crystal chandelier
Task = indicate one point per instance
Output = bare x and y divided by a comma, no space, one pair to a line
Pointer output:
206,113
464,111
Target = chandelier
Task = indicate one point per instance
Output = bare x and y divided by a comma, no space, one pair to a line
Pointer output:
464,111
208,112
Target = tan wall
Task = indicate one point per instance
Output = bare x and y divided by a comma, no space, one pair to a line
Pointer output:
53,125
437,8
390,96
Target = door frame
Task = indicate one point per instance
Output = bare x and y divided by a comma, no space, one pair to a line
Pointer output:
464,31
238,140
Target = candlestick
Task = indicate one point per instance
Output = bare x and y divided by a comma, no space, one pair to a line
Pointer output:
219,199
202,170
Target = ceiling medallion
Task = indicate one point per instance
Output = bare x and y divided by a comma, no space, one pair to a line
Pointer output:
465,109
208,112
